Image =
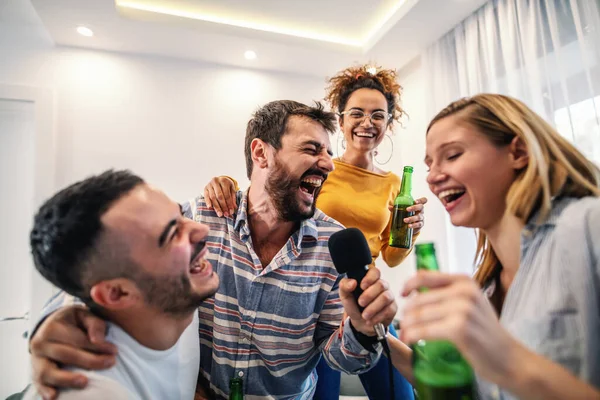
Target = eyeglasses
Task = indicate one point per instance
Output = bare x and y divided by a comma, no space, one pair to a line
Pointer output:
378,118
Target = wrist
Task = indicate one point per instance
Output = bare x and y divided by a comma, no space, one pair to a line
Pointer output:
368,341
521,371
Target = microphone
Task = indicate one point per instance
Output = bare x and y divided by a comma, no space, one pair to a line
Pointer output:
351,256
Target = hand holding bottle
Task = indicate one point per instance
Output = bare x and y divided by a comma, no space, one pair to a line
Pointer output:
417,221
455,309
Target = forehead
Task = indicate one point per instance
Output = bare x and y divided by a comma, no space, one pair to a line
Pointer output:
363,98
450,129
141,211
302,129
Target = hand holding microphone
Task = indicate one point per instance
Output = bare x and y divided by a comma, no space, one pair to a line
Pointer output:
376,304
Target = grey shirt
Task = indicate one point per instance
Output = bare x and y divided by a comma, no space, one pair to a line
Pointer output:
553,303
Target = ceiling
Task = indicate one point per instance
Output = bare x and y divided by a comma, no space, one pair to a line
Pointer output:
309,37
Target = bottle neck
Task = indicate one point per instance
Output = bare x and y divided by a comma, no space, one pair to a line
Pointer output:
406,186
427,262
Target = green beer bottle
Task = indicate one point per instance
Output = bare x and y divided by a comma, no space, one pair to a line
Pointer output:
400,233
439,369
236,389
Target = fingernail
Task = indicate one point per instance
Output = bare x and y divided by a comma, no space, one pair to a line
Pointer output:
220,214
366,316
80,382
108,363
231,211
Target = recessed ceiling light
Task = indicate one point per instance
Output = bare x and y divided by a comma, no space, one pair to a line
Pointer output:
250,55
85,31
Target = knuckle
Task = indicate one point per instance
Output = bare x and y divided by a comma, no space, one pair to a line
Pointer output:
36,344
384,284
388,296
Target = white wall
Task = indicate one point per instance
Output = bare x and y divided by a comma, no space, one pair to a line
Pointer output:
179,123
455,247
175,123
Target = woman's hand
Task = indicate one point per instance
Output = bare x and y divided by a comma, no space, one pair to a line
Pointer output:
456,310
417,221
220,194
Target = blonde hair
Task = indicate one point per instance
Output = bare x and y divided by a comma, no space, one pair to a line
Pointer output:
555,167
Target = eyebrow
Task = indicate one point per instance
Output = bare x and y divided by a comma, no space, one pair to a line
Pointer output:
165,232
360,109
318,145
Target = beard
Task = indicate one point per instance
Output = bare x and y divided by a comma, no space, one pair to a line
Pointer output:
283,192
171,294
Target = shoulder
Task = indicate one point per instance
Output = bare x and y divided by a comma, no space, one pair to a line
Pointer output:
325,224
580,215
196,209
578,227
393,178
99,387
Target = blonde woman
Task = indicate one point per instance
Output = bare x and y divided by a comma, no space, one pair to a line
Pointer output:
529,323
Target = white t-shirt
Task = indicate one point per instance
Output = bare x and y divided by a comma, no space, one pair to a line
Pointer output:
141,373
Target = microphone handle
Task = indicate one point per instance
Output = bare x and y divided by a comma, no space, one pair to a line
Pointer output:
358,274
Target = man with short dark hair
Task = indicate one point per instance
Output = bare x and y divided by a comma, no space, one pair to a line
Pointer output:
279,305
125,249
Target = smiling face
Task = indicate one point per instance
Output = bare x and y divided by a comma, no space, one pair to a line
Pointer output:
360,133
167,250
299,168
468,173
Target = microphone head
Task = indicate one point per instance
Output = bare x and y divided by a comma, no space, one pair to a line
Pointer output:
349,250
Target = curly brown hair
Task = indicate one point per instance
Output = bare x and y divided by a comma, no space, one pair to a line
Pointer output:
349,80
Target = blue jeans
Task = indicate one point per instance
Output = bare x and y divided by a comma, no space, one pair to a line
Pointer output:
376,381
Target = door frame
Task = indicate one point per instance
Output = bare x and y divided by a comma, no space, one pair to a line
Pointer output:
44,170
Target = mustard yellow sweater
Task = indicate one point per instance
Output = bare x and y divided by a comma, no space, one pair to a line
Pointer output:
358,198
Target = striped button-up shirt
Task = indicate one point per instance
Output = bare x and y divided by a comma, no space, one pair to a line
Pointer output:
270,325
553,303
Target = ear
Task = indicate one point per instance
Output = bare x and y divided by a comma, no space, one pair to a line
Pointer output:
518,153
341,122
116,294
260,154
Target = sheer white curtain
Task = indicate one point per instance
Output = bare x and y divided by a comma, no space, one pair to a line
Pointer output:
543,52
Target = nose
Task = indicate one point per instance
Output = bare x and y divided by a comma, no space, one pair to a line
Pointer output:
366,121
435,176
325,163
198,231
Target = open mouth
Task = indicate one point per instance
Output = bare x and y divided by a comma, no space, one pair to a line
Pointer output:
450,196
310,185
198,263
369,135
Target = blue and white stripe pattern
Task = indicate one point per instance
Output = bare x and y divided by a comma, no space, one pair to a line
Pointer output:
270,325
